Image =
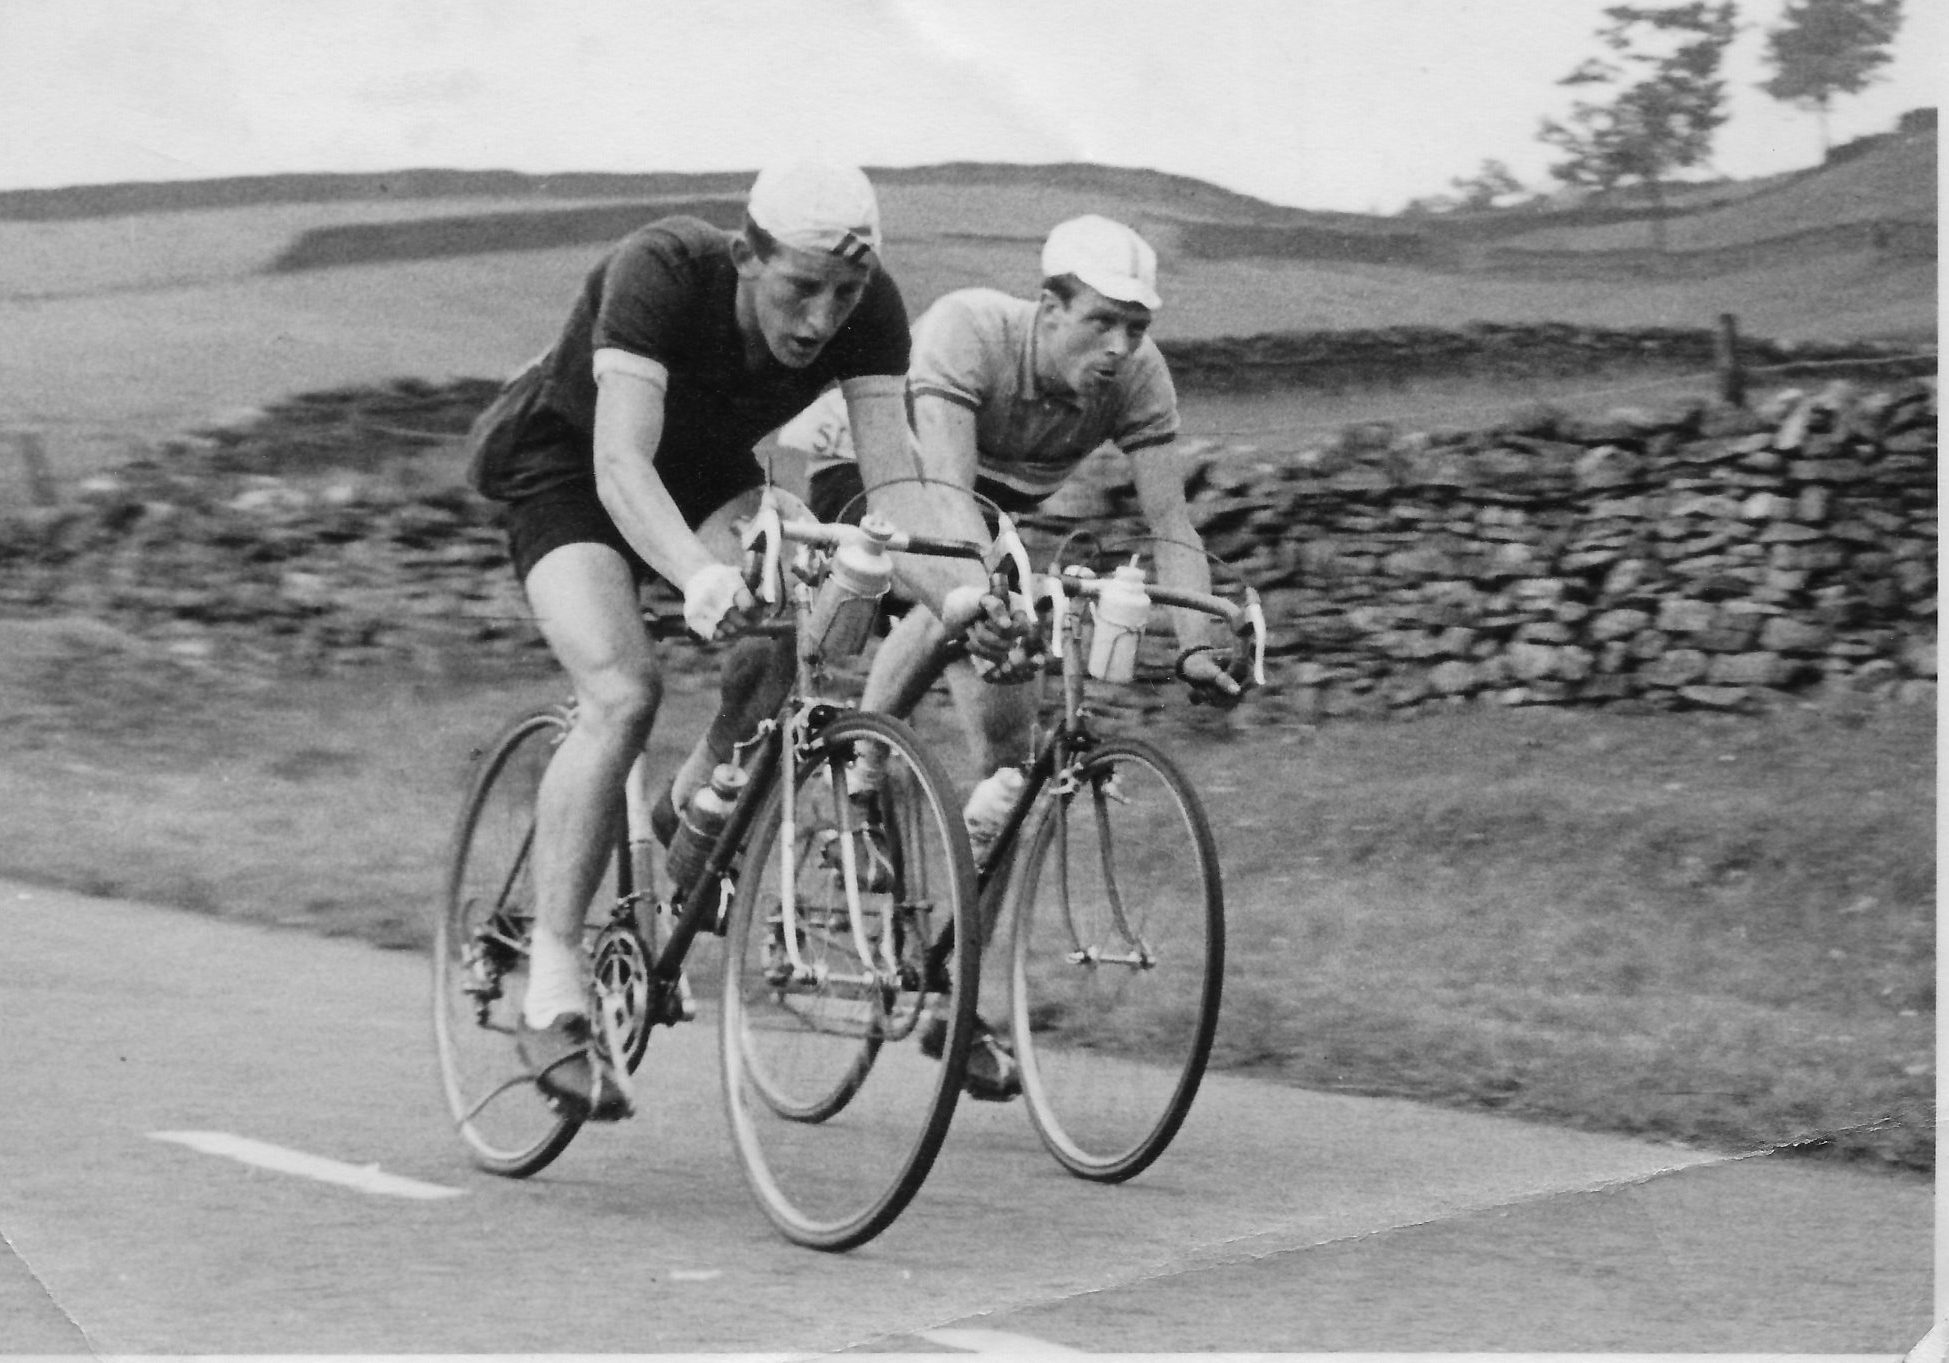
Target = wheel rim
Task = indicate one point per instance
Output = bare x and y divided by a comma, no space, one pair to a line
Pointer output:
480,963
835,1111
1116,965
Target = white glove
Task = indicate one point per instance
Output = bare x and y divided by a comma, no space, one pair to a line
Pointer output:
710,594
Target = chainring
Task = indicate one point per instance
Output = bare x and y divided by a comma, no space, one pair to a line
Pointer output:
624,987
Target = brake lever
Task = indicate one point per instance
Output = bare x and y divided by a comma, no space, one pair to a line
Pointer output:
1010,553
1255,616
1050,589
767,526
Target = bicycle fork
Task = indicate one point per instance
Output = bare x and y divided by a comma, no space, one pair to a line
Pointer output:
883,973
1092,954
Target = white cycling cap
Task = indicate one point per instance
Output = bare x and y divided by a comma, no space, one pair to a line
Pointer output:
817,206
1105,255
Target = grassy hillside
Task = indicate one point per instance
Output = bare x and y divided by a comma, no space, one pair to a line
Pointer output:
100,373
1176,193
1893,182
149,252
148,318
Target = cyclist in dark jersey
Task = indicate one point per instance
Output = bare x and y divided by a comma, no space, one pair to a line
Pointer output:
626,449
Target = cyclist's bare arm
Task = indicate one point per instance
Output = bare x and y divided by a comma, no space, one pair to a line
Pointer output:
1158,473
628,429
943,453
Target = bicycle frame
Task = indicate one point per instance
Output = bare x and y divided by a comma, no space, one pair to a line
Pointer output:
1072,734
780,742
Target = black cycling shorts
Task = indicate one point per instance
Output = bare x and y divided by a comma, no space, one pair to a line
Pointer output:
567,513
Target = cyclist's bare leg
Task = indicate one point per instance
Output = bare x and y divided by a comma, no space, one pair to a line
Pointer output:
997,719
584,600
908,662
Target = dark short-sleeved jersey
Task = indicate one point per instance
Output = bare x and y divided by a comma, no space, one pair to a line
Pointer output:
668,292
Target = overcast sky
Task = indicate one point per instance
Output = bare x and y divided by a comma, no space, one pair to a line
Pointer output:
1343,104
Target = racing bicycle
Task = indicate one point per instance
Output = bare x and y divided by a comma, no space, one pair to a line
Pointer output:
848,923
1108,872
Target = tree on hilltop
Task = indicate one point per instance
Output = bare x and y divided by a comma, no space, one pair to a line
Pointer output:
1481,190
1493,181
1825,48
1665,100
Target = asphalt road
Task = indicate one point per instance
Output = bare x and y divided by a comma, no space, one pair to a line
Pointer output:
155,1060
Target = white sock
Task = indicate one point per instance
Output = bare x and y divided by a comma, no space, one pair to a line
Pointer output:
555,984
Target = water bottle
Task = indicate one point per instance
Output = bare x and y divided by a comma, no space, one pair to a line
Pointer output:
1117,619
700,823
988,809
856,579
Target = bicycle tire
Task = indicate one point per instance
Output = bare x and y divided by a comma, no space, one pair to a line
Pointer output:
1113,1017
480,951
835,1113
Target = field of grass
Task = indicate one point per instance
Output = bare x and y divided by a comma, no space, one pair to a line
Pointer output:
164,251
1898,181
208,349
1709,930
117,331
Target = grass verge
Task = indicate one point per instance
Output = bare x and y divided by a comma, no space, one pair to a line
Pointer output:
1711,930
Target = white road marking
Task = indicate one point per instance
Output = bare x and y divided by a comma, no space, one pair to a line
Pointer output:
999,1342
1932,1347
367,1178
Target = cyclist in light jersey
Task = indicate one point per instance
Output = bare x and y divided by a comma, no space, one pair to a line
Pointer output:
1007,396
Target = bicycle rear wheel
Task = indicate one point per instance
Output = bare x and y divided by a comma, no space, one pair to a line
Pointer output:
1117,961
480,957
836,1112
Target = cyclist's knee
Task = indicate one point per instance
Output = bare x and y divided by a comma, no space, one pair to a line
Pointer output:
621,698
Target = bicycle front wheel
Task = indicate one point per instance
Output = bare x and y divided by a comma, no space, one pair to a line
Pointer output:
480,957
1117,961
842,1048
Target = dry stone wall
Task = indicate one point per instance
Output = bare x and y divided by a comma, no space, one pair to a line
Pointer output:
1703,556
328,531
1502,350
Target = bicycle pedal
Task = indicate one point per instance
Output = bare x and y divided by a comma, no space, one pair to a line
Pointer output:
672,1003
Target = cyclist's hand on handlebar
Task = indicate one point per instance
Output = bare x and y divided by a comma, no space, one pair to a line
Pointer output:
1203,669
717,604
1006,646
